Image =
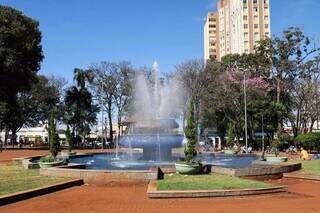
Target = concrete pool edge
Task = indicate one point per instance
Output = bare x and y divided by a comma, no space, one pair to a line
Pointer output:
260,170
102,177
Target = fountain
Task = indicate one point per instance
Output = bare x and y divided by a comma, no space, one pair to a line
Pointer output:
151,128
152,132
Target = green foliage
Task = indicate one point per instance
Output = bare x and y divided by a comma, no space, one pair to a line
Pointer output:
283,142
276,146
80,111
47,159
20,52
20,59
34,106
231,135
286,139
191,135
53,136
69,139
309,141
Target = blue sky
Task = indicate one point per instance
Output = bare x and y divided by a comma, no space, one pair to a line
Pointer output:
77,33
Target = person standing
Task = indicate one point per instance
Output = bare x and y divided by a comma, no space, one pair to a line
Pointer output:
1,145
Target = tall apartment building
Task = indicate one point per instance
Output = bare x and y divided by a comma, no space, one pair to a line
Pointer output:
236,27
211,36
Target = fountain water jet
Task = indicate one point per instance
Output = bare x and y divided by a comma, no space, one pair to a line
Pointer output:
152,127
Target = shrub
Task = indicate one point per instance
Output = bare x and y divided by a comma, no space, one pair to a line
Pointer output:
69,139
191,135
276,146
231,136
53,136
47,159
309,141
283,142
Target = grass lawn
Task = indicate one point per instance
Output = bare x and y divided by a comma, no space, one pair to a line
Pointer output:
206,182
311,167
14,178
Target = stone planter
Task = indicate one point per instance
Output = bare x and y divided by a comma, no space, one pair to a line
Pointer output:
188,169
229,152
273,159
51,164
68,154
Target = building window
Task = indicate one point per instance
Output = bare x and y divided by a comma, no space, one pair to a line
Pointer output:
256,26
245,17
266,25
245,26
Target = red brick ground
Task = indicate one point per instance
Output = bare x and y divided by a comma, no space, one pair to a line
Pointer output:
304,197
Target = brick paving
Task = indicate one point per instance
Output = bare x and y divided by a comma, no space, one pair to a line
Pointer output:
304,197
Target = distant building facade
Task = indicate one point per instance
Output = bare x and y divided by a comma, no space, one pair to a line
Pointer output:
236,27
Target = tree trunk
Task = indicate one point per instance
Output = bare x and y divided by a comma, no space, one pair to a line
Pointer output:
279,101
312,124
6,138
110,121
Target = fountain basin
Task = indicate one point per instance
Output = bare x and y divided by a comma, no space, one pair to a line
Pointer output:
135,161
156,147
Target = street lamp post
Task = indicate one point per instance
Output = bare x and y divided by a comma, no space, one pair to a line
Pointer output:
245,112
262,128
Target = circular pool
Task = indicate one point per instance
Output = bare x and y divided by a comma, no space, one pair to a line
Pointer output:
134,161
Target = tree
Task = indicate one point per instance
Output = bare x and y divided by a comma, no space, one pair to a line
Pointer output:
191,134
230,140
287,54
53,136
105,87
80,111
193,79
20,57
123,95
31,108
69,139
310,141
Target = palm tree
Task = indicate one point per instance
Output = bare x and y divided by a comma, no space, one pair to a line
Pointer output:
82,76
80,112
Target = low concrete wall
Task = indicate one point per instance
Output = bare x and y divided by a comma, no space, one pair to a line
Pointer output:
19,196
29,164
260,170
102,177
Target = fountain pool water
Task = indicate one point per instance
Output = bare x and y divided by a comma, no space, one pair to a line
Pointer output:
107,161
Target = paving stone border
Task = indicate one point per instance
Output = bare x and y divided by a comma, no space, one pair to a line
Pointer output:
19,196
153,193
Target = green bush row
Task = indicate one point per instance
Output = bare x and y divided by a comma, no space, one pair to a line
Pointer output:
309,141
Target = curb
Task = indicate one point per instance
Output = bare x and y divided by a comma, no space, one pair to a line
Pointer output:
24,195
155,194
302,177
